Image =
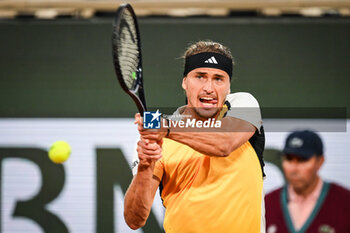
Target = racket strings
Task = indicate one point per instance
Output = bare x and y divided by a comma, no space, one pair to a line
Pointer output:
128,54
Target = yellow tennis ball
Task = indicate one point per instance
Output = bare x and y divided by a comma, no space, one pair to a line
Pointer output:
59,152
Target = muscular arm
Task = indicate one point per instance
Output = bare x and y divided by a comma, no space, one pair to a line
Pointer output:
233,133
220,142
139,197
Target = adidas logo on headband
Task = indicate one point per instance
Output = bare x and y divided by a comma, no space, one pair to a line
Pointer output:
211,60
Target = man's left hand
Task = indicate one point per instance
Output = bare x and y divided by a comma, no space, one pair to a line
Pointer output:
155,135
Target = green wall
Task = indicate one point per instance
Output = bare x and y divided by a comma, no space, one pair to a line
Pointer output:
63,68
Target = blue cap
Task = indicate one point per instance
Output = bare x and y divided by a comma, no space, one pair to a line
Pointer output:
304,143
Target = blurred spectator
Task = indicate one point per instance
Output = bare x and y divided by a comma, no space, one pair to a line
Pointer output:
306,203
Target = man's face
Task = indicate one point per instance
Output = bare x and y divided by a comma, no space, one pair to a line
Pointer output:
301,173
206,90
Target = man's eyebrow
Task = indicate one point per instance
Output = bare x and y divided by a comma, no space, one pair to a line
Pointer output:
205,73
219,75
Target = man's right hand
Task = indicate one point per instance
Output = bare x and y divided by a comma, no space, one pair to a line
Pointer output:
148,152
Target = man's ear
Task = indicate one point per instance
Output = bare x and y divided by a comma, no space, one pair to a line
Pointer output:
320,162
184,83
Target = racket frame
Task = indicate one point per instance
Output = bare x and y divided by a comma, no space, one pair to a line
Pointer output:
137,92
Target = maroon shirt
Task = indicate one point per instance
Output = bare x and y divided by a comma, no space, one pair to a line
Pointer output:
331,213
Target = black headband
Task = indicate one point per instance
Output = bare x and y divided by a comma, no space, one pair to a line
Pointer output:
208,59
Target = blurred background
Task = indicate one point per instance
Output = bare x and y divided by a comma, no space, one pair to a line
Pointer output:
57,82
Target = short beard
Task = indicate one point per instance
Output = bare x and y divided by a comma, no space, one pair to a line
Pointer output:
206,114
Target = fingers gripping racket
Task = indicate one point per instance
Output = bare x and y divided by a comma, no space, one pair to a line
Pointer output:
127,57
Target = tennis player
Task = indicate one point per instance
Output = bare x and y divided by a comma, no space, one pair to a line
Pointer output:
209,181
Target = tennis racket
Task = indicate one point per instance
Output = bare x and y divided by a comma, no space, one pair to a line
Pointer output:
127,57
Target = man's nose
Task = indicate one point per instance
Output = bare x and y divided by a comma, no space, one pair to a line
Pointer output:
208,86
294,164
